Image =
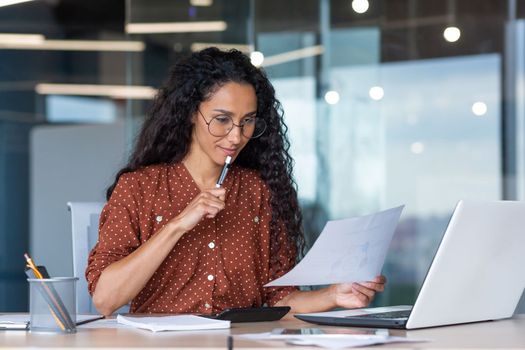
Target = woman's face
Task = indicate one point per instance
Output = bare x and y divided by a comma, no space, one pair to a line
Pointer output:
234,100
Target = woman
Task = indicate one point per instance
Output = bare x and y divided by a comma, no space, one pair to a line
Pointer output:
170,242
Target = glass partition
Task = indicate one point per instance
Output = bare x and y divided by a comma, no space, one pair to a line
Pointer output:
387,103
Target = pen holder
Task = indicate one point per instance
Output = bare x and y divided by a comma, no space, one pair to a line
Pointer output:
52,304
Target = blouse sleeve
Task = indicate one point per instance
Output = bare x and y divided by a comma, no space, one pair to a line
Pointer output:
118,230
285,262
286,259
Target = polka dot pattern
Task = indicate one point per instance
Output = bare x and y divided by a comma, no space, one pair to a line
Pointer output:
223,262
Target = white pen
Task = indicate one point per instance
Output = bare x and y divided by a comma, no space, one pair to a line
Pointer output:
224,171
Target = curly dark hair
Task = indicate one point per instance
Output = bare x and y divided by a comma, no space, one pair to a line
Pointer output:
165,136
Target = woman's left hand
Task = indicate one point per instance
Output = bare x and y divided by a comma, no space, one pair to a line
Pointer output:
356,295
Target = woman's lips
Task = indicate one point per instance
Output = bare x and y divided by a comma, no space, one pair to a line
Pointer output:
228,151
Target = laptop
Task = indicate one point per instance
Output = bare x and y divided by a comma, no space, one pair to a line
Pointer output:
476,274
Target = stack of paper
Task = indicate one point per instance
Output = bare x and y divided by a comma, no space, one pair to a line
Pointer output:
173,323
14,321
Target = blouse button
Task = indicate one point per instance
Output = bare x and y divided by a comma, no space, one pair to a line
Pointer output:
207,306
210,277
211,245
256,219
158,218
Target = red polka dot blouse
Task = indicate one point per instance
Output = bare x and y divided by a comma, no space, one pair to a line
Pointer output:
222,262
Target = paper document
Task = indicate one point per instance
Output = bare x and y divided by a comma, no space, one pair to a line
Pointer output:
348,250
104,323
329,339
348,342
173,323
21,321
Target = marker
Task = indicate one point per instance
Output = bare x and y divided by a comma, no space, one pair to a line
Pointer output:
224,171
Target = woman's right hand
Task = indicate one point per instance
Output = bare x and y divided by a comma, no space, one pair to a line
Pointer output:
206,204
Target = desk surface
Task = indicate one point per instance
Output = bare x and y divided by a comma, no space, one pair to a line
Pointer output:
505,334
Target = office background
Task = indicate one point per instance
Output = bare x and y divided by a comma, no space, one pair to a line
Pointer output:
387,102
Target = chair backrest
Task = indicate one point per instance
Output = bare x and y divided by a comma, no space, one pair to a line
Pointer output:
520,309
84,229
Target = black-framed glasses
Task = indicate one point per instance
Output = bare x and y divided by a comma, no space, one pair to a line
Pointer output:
221,125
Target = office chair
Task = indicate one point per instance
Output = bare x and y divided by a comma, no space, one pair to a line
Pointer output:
520,309
84,228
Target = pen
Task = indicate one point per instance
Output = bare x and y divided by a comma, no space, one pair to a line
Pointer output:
90,320
224,171
230,342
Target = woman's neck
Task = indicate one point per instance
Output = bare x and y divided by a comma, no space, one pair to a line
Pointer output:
203,170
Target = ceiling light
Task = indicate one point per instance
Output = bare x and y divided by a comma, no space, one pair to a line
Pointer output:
479,108
452,34
11,2
113,91
376,93
331,97
293,55
257,58
417,147
38,42
222,46
176,27
15,38
360,6
201,2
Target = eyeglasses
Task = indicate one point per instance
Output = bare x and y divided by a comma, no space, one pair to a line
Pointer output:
221,125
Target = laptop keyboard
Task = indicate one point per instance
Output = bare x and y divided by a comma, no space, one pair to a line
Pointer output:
390,314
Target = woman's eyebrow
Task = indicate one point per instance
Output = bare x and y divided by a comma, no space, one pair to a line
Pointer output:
231,113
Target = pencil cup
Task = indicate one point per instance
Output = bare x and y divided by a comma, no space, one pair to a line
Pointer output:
52,304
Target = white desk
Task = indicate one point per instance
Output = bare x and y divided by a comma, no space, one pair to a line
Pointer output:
506,334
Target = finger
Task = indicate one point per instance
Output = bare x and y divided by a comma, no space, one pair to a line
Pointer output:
364,299
216,192
378,287
210,197
364,290
209,203
209,211
379,279
216,203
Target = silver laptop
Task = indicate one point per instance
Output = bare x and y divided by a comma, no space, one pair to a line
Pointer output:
477,274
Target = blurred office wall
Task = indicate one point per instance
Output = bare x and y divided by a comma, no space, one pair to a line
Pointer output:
73,163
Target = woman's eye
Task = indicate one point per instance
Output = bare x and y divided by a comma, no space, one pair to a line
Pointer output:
222,119
248,121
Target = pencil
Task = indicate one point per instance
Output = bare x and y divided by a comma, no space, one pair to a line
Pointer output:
38,275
